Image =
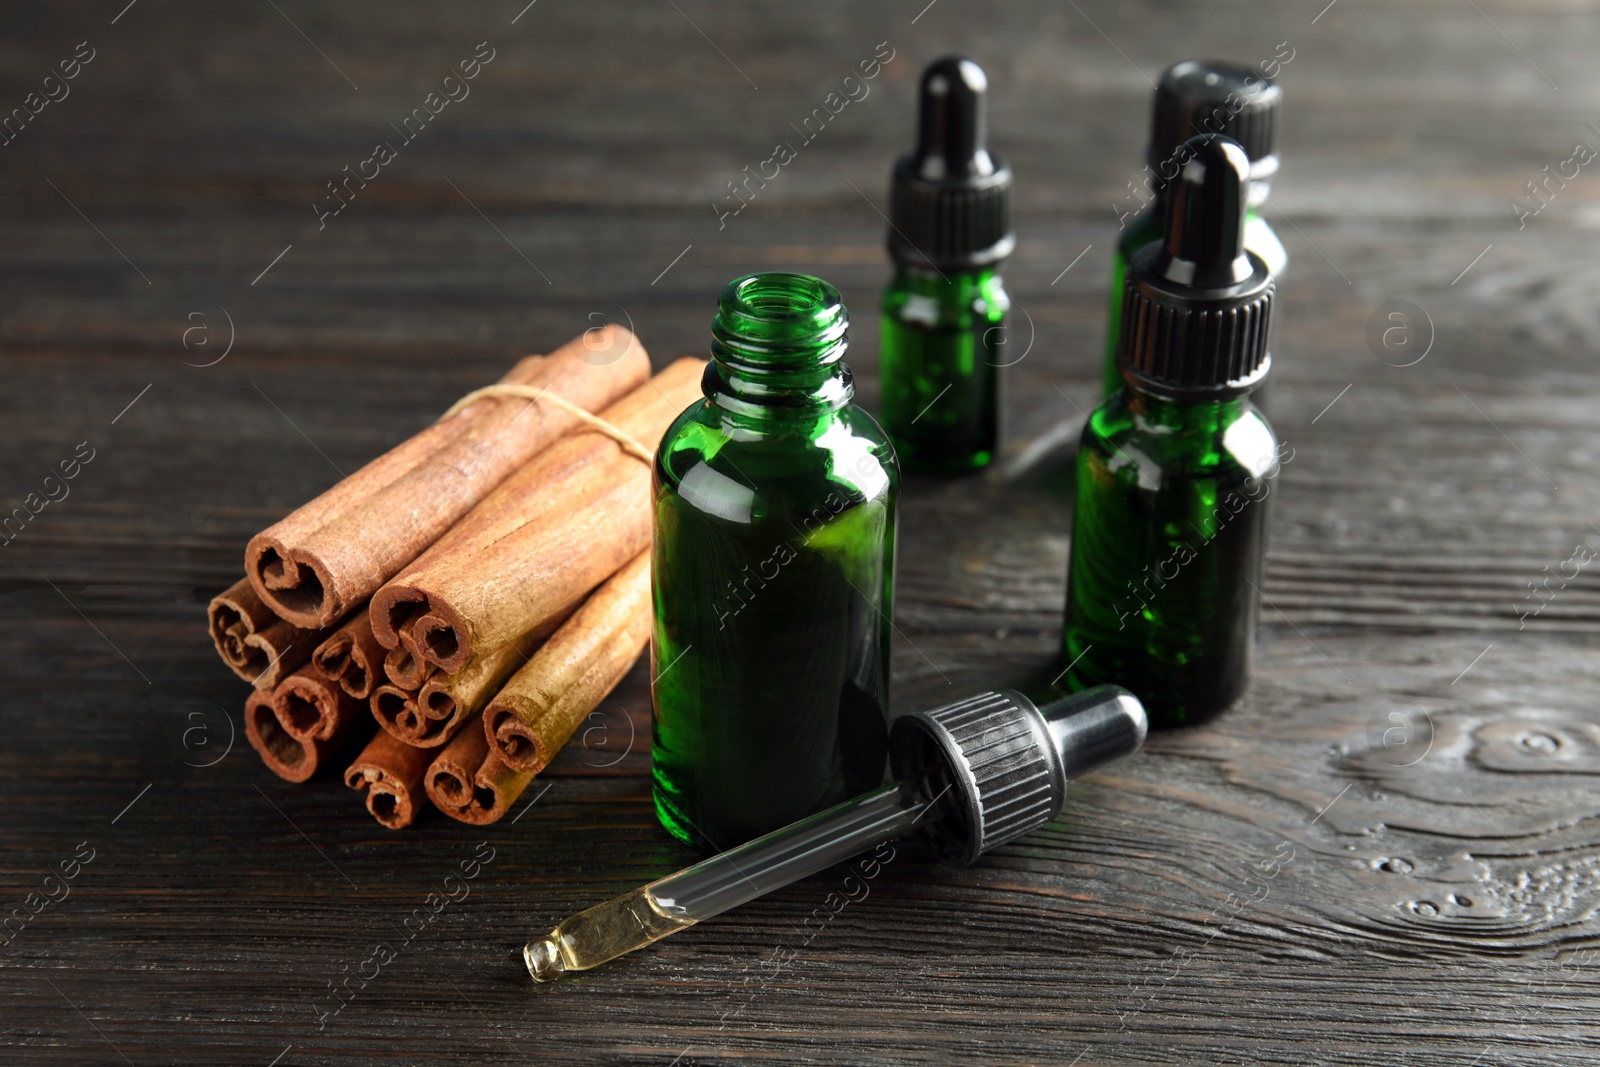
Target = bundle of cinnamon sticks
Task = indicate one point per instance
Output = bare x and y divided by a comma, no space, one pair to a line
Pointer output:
450,613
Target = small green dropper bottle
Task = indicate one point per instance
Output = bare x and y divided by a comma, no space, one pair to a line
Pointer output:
1197,97
772,573
1174,472
944,312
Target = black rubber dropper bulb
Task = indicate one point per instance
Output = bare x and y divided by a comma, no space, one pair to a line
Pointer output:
972,776
950,200
1205,219
1198,304
951,125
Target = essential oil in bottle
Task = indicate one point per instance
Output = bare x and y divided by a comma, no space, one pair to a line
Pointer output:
1175,470
944,312
1198,97
772,573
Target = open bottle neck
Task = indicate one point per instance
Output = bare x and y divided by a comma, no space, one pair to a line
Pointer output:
777,350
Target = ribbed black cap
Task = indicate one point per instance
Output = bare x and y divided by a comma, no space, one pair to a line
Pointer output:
995,766
1197,310
1202,96
950,200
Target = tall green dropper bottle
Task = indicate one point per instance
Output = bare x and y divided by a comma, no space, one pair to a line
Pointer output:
944,312
1197,97
1175,471
772,571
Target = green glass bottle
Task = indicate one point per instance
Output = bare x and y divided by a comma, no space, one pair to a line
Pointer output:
772,573
1174,472
1195,97
944,312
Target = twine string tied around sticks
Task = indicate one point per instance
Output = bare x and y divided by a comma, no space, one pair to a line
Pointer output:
629,443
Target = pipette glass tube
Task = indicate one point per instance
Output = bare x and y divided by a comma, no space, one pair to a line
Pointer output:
724,881
973,775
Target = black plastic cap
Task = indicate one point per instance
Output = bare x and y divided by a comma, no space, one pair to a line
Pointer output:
1197,310
1202,96
950,200
995,766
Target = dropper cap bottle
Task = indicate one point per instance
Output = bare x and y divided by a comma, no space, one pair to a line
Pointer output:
1175,472
944,312
972,776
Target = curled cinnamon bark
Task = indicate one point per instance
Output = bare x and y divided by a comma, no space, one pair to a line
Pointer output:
288,757
312,707
536,546
404,668
471,784
391,773
330,555
395,709
446,701
536,712
352,657
403,664
543,703
292,758
260,647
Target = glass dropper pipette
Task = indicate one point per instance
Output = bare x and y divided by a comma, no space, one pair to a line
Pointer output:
970,776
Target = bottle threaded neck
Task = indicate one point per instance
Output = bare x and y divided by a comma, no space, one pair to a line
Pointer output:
778,341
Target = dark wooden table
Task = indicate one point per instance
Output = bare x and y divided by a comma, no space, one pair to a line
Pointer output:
1389,853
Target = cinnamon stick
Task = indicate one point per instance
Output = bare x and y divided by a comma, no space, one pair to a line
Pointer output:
260,647
395,709
404,668
534,547
395,705
291,758
404,665
446,701
532,717
328,556
471,784
287,757
310,706
391,773
472,780
352,657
